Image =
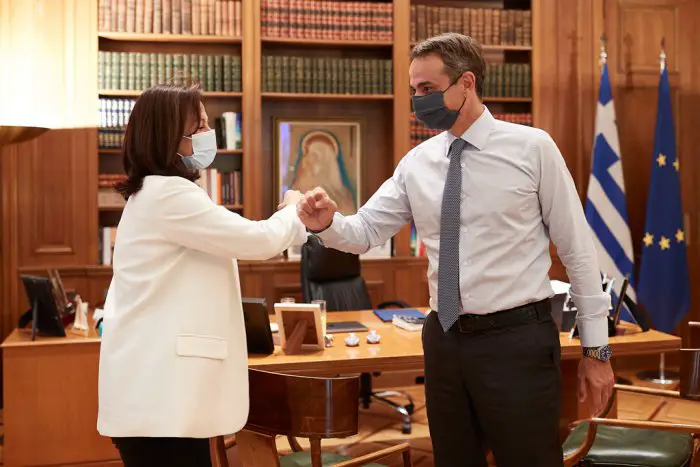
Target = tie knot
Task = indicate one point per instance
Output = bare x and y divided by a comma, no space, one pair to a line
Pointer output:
457,146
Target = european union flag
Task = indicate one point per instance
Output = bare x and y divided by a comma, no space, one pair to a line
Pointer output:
664,285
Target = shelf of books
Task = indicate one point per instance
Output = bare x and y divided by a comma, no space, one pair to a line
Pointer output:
325,84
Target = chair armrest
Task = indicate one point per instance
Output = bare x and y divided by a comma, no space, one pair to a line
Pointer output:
648,425
229,442
649,391
403,448
393,303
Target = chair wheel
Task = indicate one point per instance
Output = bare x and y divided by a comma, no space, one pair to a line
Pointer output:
406,429
409,408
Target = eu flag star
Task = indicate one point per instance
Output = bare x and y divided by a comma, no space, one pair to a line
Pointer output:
680,236
648,239
664,243
661,160
676,165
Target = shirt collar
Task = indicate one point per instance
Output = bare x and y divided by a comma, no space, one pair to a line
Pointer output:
478,133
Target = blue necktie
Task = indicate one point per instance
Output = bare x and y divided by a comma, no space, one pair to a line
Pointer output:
449,298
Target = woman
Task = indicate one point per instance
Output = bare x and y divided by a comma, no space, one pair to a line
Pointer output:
173,361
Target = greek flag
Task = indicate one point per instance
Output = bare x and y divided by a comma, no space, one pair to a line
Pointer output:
606,203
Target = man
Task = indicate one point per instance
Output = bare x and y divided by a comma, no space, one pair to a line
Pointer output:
486,197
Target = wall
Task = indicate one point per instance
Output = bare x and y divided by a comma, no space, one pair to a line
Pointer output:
48,51
569,36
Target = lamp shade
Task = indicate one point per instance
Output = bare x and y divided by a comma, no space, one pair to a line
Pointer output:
48,66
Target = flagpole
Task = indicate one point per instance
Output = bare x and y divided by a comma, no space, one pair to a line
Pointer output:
602,60
660,376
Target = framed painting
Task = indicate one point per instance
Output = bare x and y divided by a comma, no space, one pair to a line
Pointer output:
319,152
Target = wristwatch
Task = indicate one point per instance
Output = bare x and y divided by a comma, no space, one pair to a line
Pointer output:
602,353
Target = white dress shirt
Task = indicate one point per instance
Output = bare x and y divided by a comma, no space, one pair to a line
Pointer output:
517,194
173,358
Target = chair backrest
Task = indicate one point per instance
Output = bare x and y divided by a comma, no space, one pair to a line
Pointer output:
334,276
306,407
693,335
690,374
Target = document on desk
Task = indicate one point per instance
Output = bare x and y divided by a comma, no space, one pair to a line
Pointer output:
560,287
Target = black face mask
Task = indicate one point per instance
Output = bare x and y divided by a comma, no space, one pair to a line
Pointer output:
432,111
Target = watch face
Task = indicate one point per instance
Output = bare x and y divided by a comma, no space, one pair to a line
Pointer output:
602,353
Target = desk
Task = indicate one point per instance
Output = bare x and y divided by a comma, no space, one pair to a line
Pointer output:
51,384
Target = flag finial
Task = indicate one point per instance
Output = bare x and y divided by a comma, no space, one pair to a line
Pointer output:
603,57
662,55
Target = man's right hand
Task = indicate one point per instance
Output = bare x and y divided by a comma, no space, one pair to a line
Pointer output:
316,209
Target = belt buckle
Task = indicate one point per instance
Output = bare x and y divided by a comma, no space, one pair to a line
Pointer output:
467,320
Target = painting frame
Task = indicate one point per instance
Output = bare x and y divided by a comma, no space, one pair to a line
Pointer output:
352,150
290,314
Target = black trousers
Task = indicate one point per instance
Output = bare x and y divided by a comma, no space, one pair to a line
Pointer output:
494,382
171,452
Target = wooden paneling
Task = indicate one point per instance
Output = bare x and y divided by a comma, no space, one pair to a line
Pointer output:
566,75
49,192
634,30
48,186
387,279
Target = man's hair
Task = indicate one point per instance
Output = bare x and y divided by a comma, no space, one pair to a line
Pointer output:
156,126
459,53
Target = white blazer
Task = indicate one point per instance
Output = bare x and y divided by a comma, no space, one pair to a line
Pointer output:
173,359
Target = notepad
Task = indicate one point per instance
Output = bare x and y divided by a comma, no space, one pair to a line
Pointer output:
387,314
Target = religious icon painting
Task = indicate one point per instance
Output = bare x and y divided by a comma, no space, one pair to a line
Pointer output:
324,153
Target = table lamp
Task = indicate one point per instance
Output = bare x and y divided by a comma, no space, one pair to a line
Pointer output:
19,134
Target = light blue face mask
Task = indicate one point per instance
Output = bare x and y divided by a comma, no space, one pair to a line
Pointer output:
203,150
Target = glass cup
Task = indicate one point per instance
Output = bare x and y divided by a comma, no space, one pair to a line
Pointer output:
322,304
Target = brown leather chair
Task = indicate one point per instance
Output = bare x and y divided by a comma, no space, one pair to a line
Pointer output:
335,276
608,442
304,407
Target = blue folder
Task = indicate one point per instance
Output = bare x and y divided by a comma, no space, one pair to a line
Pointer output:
387,314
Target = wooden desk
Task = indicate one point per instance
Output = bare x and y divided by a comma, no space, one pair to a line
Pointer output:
51,384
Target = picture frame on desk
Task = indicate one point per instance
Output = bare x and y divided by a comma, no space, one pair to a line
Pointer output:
300,327
321,152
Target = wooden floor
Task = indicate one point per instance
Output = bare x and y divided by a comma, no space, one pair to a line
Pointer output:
380,427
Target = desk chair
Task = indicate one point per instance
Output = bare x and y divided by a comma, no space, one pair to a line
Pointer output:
607,442
334,276
299,406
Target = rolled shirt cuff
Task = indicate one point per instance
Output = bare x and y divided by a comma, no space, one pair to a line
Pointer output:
592,318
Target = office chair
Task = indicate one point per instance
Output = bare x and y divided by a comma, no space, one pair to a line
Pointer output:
334,276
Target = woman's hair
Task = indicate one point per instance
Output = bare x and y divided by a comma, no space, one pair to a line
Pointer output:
162,115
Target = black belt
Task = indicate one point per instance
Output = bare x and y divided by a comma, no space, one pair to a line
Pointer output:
539,311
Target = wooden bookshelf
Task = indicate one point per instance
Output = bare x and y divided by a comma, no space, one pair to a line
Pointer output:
302,95
172,38
386,117
134,93
220,152
326,42
499,47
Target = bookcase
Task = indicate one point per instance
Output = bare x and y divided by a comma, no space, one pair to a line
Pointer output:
265,60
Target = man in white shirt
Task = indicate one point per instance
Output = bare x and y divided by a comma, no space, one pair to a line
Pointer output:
486,197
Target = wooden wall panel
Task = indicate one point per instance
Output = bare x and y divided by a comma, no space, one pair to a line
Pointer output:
51,194
56,196
635,29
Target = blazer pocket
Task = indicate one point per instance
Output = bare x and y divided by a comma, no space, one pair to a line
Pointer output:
194,345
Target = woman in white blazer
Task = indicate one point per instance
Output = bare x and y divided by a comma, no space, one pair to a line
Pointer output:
173,361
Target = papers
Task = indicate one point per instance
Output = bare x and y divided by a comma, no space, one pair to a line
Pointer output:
560,287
